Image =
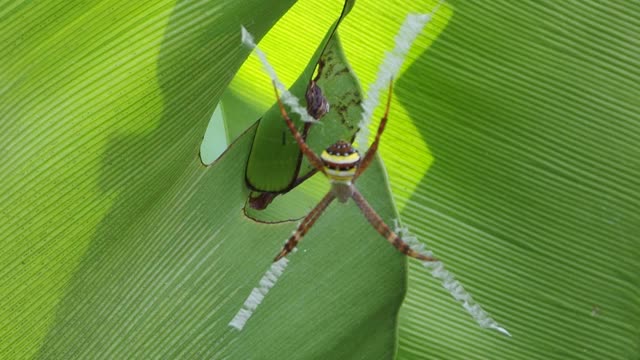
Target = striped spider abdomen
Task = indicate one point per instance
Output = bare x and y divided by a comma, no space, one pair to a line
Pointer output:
340,161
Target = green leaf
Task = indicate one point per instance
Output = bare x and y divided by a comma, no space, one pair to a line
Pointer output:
171,284
531,112
116,242
512,152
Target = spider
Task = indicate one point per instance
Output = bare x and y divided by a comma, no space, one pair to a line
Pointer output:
342,165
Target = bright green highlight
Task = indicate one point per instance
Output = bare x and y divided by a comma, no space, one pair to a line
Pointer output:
274,162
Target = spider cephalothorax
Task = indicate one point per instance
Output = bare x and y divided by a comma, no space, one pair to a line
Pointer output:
342,164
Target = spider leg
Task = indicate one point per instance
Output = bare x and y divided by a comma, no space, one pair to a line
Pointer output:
383,229
305,225
368,157
314,159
